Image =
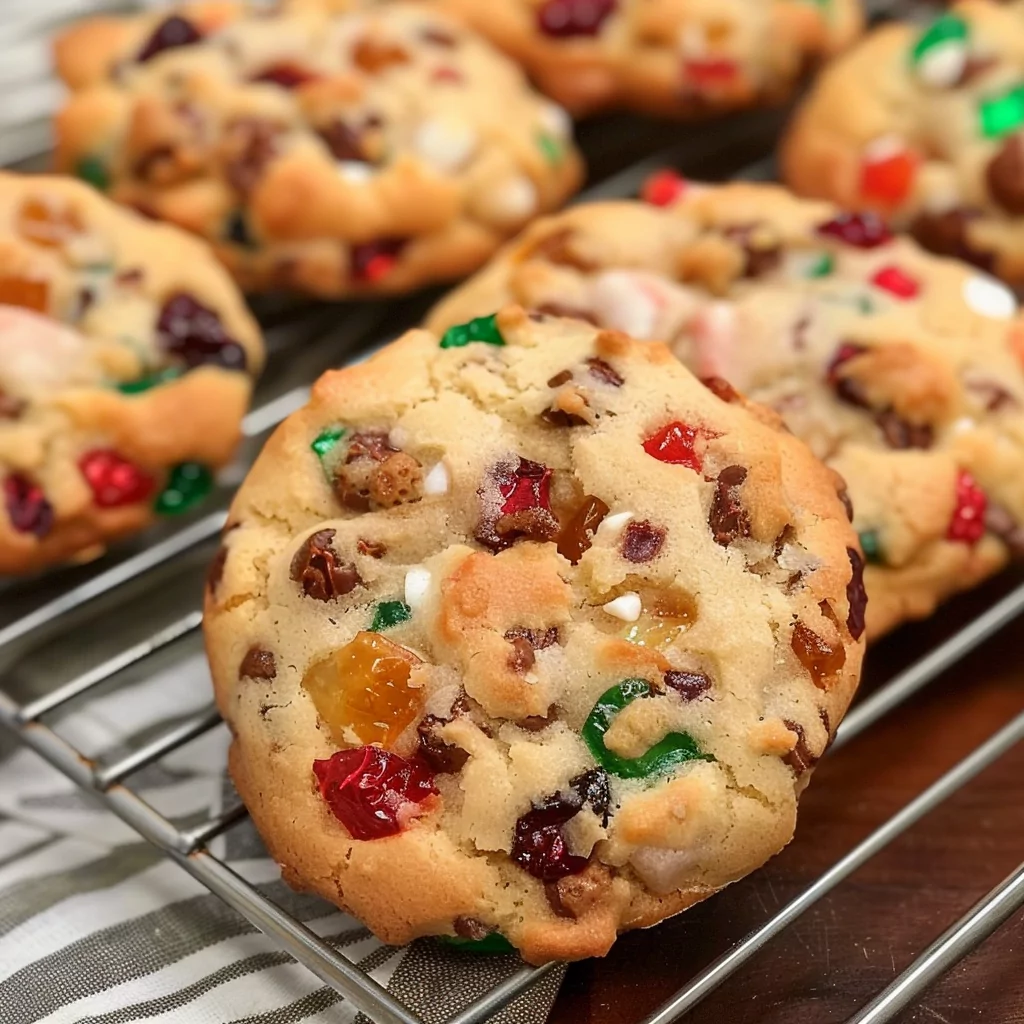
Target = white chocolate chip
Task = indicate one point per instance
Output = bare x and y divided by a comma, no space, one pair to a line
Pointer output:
437,481
943,64
445,144
514,200
556,120
627,607
963,425
355,171
616,522
987,297
417,583
398,437
663,870
621,304
883,148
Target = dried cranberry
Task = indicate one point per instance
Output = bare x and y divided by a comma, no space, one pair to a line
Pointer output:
900,433
897,282
171,33
114,480
288,76
252,144
727,517
861,230
592,788
759,257
603,372
641,541
443,758
845,388
856,595
562,19
689,685
1005,176
525,508
676,444
27,507
321,572
373,261
193,333
258,663
800,758
367,789
968,522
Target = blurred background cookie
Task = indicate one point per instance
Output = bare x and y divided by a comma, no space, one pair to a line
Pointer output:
126,365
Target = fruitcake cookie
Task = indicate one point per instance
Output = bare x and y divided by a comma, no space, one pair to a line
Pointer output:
674,57
900,370
126,365
530,632
337,154
926,126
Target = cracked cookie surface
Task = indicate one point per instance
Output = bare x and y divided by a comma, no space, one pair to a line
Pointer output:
525,632
367,152
126,366
902,371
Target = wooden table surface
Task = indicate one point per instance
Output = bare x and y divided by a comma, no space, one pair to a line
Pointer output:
855,940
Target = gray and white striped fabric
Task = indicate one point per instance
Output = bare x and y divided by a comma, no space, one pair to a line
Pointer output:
97,928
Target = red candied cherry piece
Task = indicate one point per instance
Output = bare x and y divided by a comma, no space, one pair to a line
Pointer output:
889,179
710,71
370,790
891,279
114,480
968,522
565,18
529,486
373,261
27,506
676,443
861,230
663,188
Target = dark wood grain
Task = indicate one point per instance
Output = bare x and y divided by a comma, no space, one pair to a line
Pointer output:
853,942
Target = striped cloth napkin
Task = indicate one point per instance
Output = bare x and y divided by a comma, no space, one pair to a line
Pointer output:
96,927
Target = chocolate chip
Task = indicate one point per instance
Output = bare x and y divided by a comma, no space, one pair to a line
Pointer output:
554,898
800,758
172,32
525,642
10,407
559,309
258,663
561,418
844,496
900,433
344,142
721,388
728,518
438,37
849,390
215,573
317,567
556,249
689,685
605,373
522,658
560,378
761,255
471,928
444,758
373,55
994,395
529,523
641,541
1005,175
373,548
946,234
534,723
1005,527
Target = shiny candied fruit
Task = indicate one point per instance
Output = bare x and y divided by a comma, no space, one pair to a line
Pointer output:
576,537
897,282
171,33
662,620
326,441
371,262
563,19
528,487
663,188
193,333
46,221
483,328
871,545
389,614
24,292
890,178
821,658
1003,113
708,72
373,792
27,506
676,444
114,480
149,381
363,691
188,484
856,595
663,758
861,230
642,541
93,171
968,523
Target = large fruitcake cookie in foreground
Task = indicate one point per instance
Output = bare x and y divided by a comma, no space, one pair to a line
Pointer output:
126,364
340,154
926,125
530,632
676,57
901,370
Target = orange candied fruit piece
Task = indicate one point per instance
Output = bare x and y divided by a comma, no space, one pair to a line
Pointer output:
817,655
363,691
24,292
48,221
662,621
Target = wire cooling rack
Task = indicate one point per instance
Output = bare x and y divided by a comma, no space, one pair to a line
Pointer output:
63,608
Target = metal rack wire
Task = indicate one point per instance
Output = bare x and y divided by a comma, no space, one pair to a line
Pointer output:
109,779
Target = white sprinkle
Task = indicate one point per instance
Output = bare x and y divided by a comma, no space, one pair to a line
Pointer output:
355,171
437,480
627,607
447,145
987,297
417,583
615,522
556,120
514,200
883,148
622,305
943,65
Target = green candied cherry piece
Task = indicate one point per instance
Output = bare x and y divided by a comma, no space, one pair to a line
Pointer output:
871,546
820,265
325,441
551,149
483,328
663,758
188,484
948,28
388,614
150,380
1003,113
93,170
492,944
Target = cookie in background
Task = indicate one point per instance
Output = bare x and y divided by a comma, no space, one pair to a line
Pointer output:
925,125
900,370
524,635
127,360
679,58
335,154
